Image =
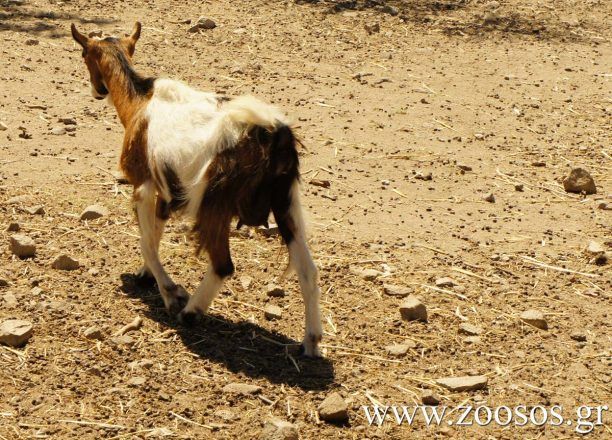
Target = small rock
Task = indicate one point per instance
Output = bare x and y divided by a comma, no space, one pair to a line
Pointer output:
372,28
3,126
123,340
469,329
225,414
538,164
333,409
3,282
272,312
203,23
22,246
164,396
35,210
15,332
16,200
412,309
472,340
534,318
13,227
445,282
58,131
391,10
399,350
137,381
275,291
93,212
242,389
68,121
479,136
93,333
464,167
395,290
245,281
424,176
65,262
31,42
489,198
579,336
9,300
579,181
519,187
366,274
277,429
320,182
464,383
605,206
594,248
430,398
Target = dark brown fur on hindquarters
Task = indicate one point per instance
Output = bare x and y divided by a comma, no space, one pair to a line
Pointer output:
248,181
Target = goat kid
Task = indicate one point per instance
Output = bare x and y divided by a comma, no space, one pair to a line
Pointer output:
209,157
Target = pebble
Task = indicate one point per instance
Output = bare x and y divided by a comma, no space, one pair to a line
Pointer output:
245,281
430,398
9,300
366,274
65,262
22,246
3,282
519,187
333,409
320,182
13,227
391,10
275,291
399,350
58,131
225,414
242,389
68,121
594,248
579,336
16,200
463,383
3,126
538,164
489,198
470,329
463,167
123,340
137,381
412,309
35,210
445,282
31,42
93,332
277,429
472,340
93,212
15,332
272,312
579,181
395,290
604,206
534,318
203,23
372,28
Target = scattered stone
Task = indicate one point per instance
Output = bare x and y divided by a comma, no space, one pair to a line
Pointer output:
164,396
9,299
430,398
3,126
391,10
399,350
372,28
489,198
594,248
366,274
277,429
463,383
15,332
320,182
145,364
534,318
3,282
579,181
472,340
16,200
123,341
395,290
275,291
519,187
445,282
58,131
412,309
225,414
245,281
22,246
242,389
579,336
605,206
464,167
93,212
538,164
31,42
424,176
35,210
333,409
469,329
65,262
272,312
13,227
93,332
137,381
203,23
68,121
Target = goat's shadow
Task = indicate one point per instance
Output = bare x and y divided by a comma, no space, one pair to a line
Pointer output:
242,347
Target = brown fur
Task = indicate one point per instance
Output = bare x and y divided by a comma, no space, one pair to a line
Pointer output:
133,160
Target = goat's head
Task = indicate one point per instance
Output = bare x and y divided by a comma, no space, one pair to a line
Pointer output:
95,51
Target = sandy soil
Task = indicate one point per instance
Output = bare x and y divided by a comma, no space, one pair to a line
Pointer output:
518,91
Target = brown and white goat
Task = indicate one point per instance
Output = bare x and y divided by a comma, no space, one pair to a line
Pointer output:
208,157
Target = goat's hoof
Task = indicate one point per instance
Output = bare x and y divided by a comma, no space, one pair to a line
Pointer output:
144,278
176,305
310,347
188,319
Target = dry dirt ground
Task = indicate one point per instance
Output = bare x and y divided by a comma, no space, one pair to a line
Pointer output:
519,91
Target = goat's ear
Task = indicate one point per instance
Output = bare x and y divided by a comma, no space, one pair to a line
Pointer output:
133,38
79,37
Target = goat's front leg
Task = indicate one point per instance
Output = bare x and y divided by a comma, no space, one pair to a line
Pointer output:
151,228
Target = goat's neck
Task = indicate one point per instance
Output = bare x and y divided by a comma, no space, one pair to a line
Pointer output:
128,105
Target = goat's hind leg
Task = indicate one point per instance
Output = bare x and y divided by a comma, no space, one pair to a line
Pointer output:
151,224
162,213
